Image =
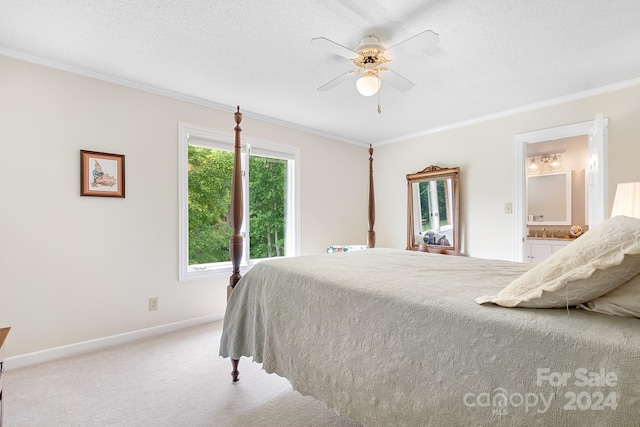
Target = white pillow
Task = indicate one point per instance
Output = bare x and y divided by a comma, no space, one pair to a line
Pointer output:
622,301
596,263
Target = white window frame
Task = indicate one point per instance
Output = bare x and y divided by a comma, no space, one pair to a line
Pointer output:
216,139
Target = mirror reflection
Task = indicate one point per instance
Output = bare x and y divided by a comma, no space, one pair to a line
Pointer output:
433,210
549,199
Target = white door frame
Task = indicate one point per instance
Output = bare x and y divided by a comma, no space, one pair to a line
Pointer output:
519,162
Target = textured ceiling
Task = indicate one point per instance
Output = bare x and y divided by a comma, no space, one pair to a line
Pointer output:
493,55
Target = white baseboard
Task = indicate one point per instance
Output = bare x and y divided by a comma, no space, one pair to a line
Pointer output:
28,359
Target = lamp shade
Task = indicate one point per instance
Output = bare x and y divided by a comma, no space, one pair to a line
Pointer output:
627,201
368,85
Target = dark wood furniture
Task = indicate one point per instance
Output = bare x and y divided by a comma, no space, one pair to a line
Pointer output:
3,334
371,234
235,245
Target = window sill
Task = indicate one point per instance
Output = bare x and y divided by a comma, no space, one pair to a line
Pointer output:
217,270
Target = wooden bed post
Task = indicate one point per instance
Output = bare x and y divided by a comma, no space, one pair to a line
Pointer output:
371,234
235,243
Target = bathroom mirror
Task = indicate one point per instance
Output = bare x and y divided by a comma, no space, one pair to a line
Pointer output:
549,199
433,210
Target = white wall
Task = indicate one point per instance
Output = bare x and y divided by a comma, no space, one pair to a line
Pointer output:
79,268
484,153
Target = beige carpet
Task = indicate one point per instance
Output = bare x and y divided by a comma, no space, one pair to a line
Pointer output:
176,379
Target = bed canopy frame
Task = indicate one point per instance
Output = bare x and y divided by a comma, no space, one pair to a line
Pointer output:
236,243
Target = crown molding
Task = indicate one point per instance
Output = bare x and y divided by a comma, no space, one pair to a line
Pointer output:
525,108
11,53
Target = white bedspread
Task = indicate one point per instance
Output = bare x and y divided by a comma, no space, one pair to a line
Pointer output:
394,338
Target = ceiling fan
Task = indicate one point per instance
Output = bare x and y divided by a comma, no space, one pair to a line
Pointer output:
370,61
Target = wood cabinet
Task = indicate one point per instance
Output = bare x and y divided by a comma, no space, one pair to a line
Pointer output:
537,250
3,334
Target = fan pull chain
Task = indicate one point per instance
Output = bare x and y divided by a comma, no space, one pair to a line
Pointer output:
379,109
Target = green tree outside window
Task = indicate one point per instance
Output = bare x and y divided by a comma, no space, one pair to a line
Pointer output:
210,172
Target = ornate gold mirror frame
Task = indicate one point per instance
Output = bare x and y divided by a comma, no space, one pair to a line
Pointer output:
433,210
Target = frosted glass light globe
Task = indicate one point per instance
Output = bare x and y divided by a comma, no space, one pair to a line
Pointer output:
368,85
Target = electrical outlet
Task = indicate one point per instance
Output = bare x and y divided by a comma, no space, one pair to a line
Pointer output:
153,303
508,208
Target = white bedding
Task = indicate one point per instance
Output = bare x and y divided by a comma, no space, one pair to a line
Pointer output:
394,338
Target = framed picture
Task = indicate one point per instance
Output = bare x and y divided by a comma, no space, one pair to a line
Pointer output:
101,174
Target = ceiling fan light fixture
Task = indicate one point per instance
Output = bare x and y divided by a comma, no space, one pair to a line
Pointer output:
368,85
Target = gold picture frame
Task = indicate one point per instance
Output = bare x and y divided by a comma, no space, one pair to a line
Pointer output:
101,174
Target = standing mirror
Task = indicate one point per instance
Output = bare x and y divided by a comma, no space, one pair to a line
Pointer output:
433,210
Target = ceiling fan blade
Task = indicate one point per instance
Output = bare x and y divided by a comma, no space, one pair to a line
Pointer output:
331,46
418,42
335,82
397,81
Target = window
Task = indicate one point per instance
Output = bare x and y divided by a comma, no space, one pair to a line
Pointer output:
270,195
434,204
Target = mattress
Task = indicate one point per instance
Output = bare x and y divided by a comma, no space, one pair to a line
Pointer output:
394,338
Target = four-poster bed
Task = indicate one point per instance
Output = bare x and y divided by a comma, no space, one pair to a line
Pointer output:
395,337
236,242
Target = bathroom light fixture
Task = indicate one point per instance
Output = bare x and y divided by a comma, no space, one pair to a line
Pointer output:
545,163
